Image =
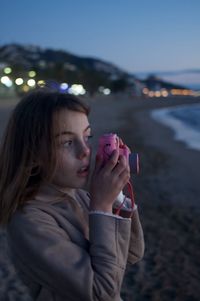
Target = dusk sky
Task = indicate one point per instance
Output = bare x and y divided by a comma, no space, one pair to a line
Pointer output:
145,35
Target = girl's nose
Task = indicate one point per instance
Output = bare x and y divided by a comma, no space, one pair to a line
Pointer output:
84,151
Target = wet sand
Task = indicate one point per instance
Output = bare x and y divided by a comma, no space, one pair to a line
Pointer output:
168,197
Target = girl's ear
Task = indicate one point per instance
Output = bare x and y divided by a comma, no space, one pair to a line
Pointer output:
35,171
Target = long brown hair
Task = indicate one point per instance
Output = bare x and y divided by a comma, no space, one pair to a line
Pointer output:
28,149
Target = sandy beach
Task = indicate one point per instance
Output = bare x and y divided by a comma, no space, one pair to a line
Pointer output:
168,197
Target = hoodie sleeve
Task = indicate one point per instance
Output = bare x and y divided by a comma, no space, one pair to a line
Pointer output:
137,245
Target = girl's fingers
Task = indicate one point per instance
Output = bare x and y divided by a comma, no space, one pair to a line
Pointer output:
121,142
98,163
113,160
121,165
125,177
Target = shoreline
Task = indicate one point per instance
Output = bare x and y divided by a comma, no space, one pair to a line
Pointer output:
181,167
183,131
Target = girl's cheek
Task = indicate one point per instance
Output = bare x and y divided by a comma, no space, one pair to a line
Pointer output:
60,155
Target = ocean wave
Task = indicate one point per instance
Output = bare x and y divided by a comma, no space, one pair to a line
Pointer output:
184,120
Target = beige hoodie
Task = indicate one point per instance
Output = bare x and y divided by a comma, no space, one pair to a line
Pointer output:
63,253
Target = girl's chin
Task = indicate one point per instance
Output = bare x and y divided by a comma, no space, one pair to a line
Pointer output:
82,182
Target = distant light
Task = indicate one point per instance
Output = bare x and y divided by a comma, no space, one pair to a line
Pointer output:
176,92
145,91
157,94
187,92
7,70
32,73
64,86
196,93
77,89
101,88
6,81
41,83
106,91
151,94
25,88
31,82
164,93
19,81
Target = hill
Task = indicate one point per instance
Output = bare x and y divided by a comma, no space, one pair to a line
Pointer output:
59,66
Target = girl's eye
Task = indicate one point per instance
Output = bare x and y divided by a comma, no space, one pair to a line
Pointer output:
67,143
87,138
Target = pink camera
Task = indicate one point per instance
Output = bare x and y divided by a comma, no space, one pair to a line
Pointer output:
109,142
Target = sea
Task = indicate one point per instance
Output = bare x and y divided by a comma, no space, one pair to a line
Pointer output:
184,120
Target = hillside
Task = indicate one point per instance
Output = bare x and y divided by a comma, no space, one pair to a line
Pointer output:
59,66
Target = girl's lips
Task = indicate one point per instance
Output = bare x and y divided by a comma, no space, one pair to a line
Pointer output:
83,172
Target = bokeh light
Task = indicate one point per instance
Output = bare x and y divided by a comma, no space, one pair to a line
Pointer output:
19,81
6,81
31,82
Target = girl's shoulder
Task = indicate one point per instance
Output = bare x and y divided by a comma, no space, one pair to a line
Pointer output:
38,211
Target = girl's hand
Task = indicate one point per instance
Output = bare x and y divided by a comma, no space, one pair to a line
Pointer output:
107,181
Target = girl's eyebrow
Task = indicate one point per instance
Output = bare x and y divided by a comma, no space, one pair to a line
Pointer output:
71,133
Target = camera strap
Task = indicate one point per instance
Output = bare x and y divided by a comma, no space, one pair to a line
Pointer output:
132,198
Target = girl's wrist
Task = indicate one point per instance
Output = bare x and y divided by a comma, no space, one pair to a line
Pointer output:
107,209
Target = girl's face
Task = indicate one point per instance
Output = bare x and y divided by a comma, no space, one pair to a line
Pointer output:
73,152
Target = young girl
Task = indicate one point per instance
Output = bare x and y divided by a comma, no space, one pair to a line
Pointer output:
65,243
